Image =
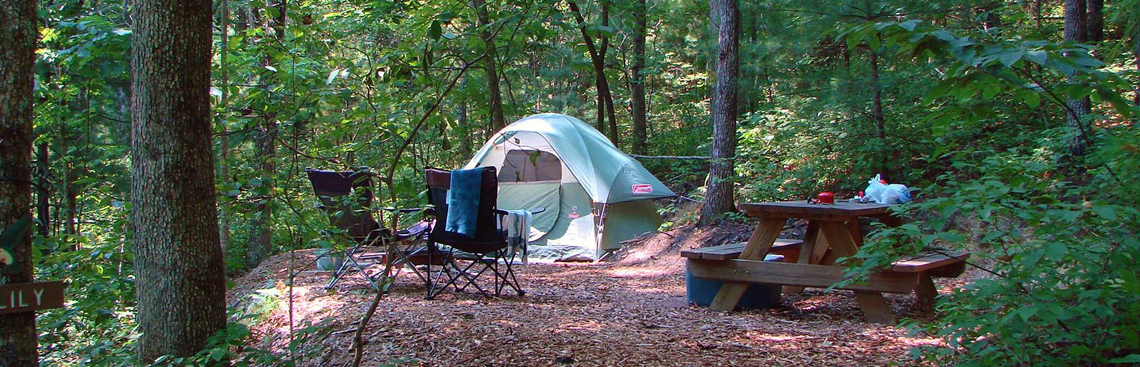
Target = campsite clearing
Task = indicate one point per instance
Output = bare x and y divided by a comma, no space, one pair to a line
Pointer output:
627,312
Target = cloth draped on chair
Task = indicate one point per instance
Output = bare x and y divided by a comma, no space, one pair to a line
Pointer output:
517,224
463,200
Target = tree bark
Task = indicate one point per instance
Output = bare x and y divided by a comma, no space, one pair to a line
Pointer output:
1095,21
17,57
637,86
179,270
719,199
498,121
877,114
1075,30
261,240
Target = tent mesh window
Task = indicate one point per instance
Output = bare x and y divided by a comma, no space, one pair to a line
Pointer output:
530,166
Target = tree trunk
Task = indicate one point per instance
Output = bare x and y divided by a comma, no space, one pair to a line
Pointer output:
1095,21
638,84
465,139
223,137
17,57
498,121
606,93
261,240
877,114
598,60
43,193
179,270
68,178
1075,30
719,199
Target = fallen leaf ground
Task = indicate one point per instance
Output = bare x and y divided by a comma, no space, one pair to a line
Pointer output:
622,313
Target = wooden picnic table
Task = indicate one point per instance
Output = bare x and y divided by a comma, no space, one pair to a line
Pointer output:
833,232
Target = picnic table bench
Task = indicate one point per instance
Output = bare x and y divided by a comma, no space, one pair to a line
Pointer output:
833,232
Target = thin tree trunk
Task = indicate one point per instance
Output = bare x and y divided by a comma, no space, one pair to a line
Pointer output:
68,177
465,139
877,114
43,193
17,58
261,240
606,93
1095,21
719,199
598,59
1136,57
1075,30
498,121
223,137
638,85
179,270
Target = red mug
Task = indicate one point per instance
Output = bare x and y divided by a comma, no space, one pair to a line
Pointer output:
826,197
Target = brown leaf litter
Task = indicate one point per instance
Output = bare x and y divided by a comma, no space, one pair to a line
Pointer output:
626,312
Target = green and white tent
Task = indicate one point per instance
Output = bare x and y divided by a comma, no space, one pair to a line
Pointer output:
595,196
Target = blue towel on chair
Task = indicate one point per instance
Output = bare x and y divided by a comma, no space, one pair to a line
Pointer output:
463,201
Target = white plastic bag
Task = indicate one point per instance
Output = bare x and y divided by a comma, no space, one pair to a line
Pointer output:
878,191
874,191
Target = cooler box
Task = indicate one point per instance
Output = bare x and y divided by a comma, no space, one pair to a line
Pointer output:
701,291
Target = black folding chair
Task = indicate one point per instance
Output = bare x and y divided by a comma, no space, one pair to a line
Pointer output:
487,249
347,199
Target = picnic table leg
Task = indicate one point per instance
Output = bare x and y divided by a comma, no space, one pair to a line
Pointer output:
875,307
873,304
926,291
758,245
811,252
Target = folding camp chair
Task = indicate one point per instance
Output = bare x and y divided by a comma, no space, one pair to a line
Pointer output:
347,198
487,250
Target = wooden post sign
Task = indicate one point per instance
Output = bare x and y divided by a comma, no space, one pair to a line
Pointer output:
25,297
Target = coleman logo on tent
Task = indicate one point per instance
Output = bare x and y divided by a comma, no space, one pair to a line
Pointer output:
643,189
573,212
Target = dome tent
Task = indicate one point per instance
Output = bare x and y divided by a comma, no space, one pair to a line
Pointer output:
595,196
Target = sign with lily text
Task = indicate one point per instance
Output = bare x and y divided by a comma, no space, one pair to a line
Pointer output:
25,297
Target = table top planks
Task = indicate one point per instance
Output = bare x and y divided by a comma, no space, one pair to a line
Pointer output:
801,209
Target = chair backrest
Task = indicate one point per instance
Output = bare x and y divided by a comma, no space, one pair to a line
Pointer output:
347,198
488,237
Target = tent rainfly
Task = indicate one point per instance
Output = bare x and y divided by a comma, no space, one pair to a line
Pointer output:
595,196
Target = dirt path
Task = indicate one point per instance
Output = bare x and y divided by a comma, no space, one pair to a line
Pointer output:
631,312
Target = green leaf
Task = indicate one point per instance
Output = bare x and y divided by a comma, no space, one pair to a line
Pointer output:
1131,358
15,232
1008,58
1054,251
953,237
436,30
909,25
1036,56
